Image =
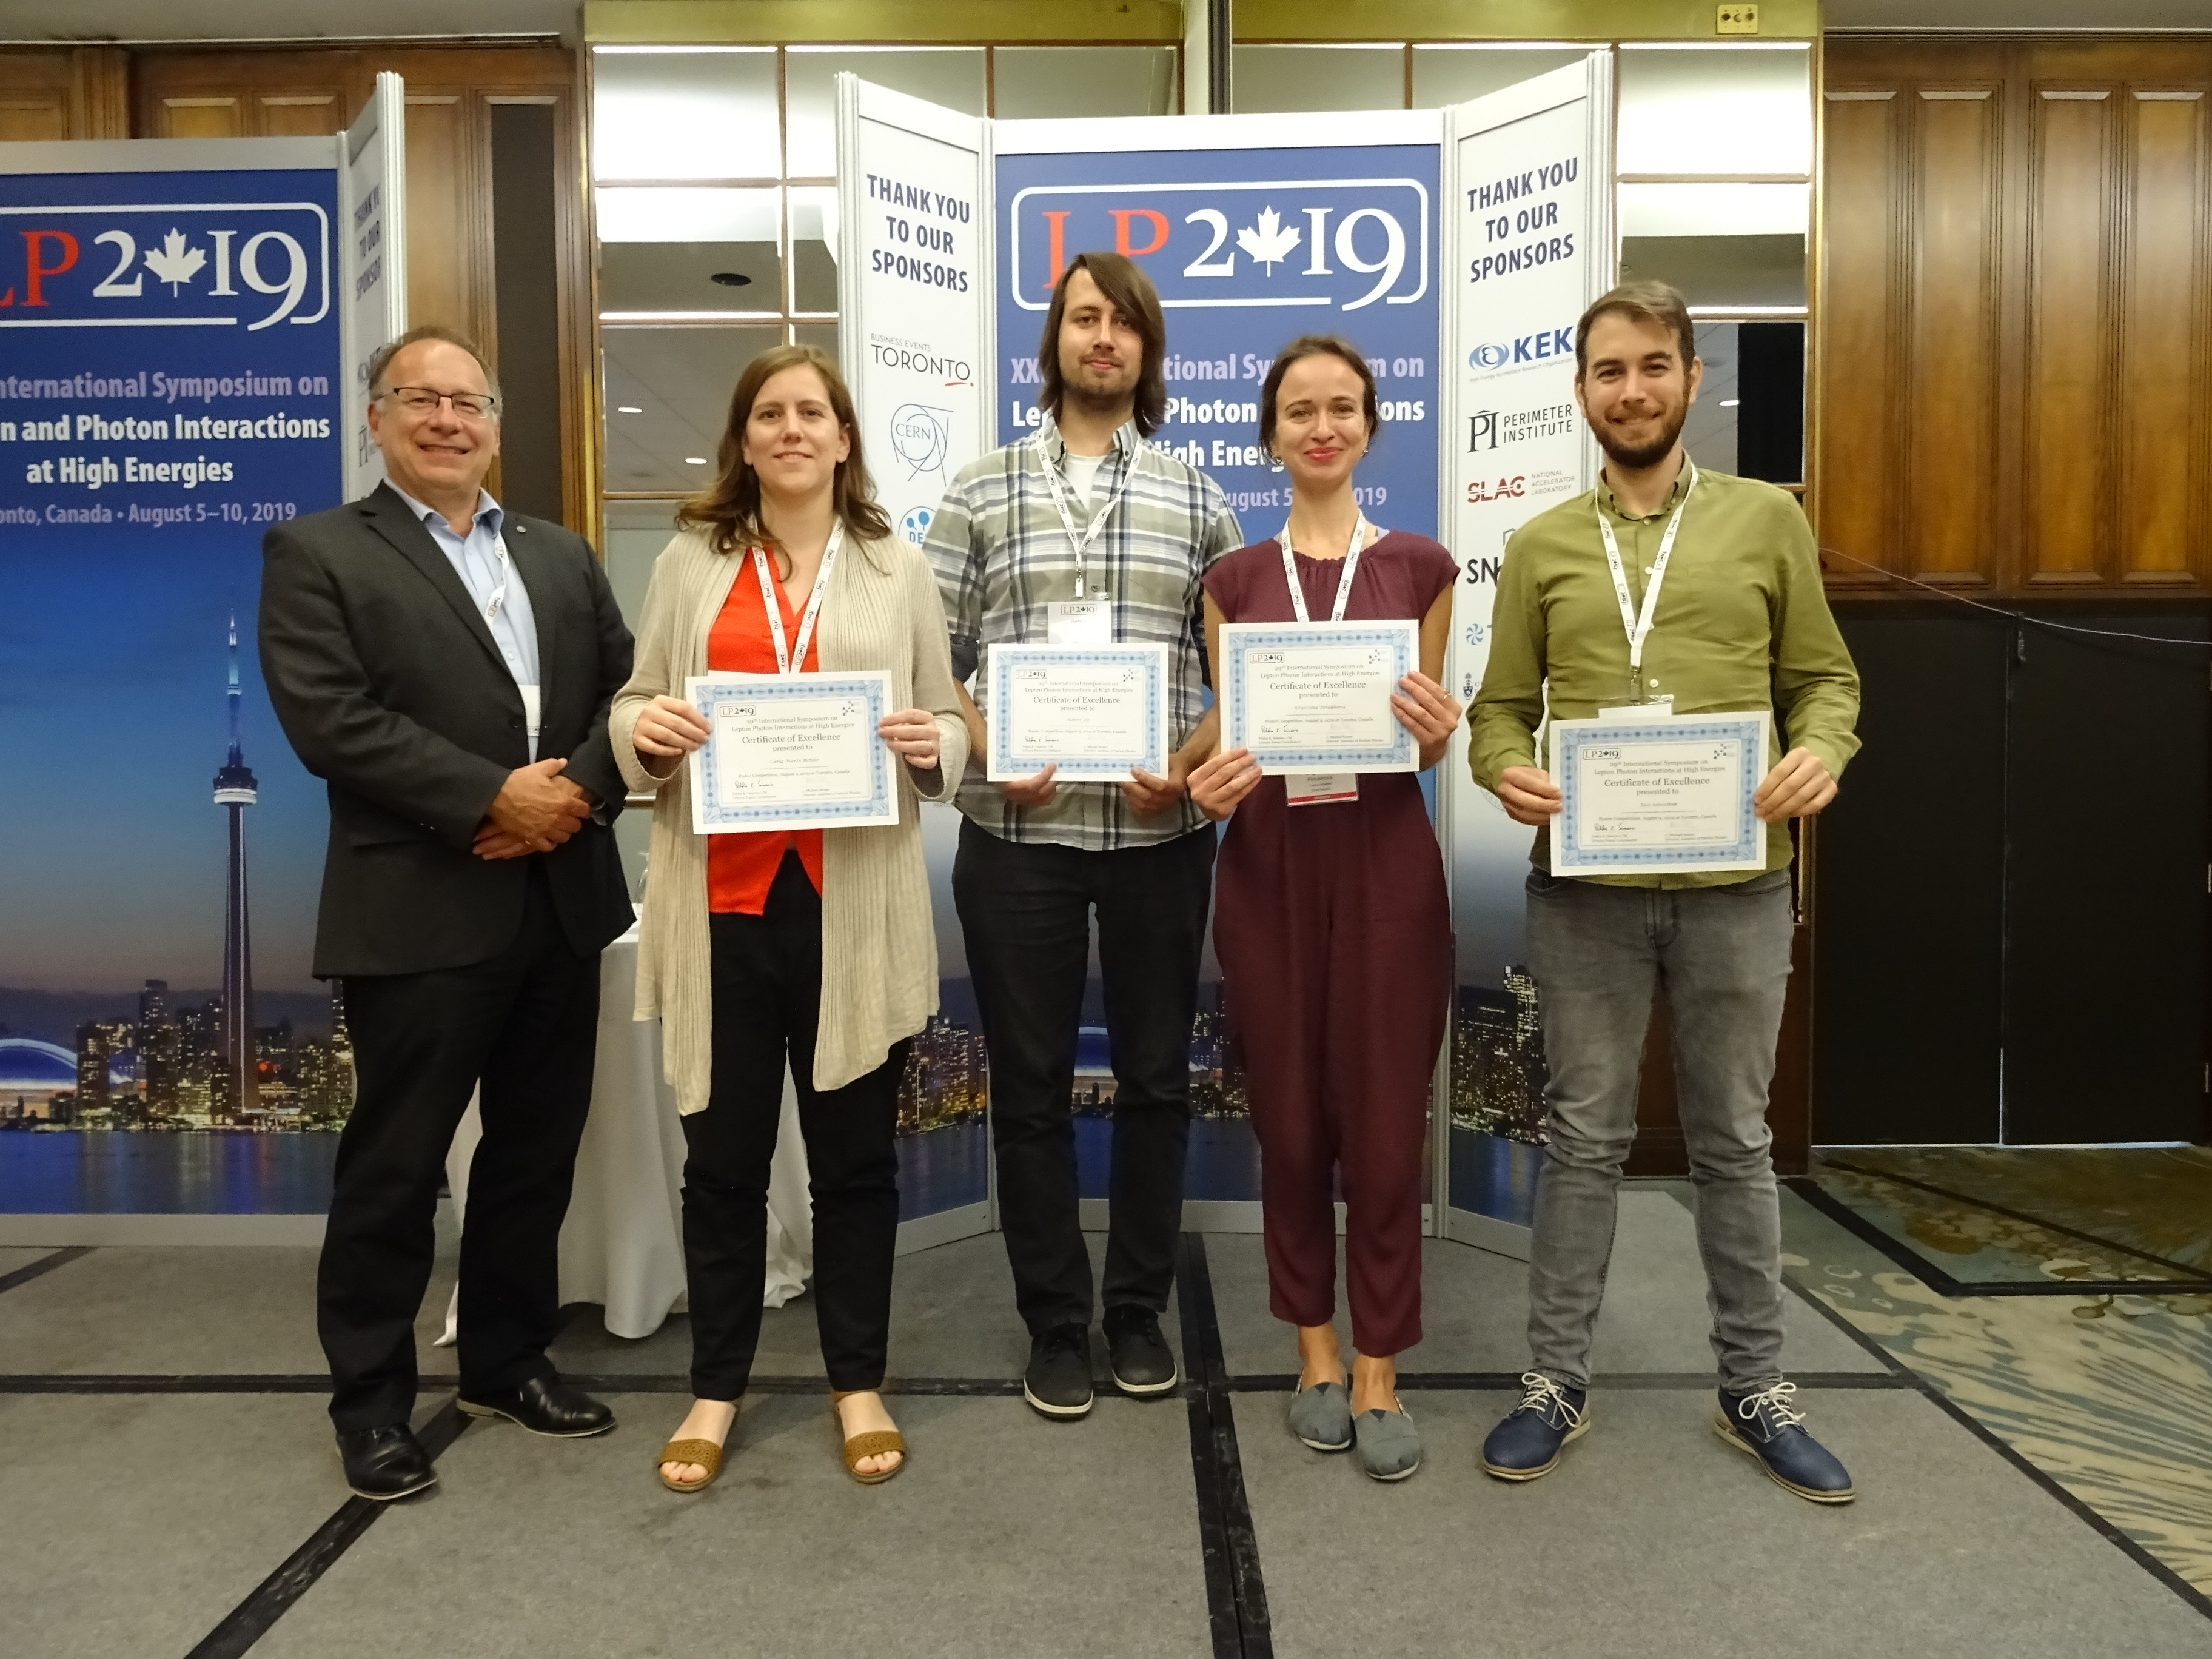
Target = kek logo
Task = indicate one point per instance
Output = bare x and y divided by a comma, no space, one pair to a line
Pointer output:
249,265
1342,244
1542,346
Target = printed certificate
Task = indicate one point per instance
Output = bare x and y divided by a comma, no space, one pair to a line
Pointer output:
1658,795
1097,712
1316,696
792,751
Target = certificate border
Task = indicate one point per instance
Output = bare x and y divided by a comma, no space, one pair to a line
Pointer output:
1238,640
1748,853
873,685
1153,658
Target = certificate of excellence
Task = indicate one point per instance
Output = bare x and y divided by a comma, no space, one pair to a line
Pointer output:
1098,712
1648,797
792,751
1316,696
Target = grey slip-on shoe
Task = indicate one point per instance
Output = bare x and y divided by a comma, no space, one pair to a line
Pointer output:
1389,1444
1321,1417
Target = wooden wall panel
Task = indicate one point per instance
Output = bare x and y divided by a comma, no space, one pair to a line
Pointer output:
222,116
2066,485
2165,472
49,93
1859,457
1951,380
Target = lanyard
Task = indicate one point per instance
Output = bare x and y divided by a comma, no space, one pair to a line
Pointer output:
1639,627
1059,487
494,604
1343,582
785,657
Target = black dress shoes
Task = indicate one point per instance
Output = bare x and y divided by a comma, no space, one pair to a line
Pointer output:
543,1405
384,1463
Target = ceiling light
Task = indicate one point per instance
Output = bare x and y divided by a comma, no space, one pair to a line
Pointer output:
695,460
1730,403
732,279
628,409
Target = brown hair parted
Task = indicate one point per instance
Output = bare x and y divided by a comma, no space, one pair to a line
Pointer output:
380,359
1647,302
1316,345
1131,293
731,508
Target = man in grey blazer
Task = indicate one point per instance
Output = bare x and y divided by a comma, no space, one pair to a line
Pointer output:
446,666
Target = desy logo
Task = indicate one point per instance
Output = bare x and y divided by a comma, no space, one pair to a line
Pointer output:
1344,244
249,264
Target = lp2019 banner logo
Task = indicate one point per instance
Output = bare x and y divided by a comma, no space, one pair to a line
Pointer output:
1341,244
166,265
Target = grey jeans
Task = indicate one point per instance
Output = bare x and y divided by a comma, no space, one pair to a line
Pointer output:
1722,956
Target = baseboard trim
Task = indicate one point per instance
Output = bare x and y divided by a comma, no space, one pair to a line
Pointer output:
1487,1232
62,1231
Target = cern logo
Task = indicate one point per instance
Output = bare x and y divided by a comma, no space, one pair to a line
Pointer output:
919,437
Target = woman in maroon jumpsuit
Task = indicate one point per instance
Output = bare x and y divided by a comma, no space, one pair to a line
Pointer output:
1332,927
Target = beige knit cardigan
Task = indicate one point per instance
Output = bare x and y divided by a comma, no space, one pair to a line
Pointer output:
878,947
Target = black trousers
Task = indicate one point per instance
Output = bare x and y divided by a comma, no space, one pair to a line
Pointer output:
522,1027
768,1004
1025,914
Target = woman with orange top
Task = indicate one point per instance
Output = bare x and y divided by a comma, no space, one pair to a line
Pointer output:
813,946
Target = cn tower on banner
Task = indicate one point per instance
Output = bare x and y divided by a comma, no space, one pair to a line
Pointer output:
237,1081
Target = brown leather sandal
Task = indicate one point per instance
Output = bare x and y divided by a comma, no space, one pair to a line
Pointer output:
874,1443
705,1453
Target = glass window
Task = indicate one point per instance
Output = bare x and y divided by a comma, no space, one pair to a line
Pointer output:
1296,78
1709,431
813,248
684,114
950,76
668,400
1725,110
1452,75
1040,81
689,252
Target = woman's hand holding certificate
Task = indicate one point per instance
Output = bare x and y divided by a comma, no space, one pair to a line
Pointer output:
1317,696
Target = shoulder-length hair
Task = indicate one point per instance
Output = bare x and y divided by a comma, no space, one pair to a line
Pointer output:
1317,345
1130,292
731,508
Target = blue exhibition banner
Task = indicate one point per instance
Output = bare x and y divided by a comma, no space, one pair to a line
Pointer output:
169,367
1249,247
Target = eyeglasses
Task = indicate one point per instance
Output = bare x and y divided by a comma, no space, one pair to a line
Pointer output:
469,405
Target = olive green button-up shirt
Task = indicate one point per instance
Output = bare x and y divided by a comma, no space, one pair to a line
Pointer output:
1742,624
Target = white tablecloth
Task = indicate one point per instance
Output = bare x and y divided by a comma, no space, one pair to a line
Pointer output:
621,1246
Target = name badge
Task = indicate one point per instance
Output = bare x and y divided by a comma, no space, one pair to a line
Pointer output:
1659,708
1080,622
1320,788
529,709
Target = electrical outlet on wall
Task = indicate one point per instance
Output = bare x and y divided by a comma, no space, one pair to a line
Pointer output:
1737,20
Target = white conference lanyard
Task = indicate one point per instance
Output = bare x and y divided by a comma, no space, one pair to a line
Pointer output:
1636,625
786,660
1320,788
1088,619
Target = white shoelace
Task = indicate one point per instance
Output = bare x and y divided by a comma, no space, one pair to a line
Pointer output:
1775,1400
1542,1394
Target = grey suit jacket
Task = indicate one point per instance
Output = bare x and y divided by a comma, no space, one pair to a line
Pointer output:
391,690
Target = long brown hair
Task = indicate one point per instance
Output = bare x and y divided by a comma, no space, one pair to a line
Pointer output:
1130,292
1317,345
732,507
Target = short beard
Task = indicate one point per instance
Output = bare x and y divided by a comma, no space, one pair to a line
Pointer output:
1637,457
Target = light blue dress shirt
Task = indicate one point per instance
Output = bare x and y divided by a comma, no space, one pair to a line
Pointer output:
477,559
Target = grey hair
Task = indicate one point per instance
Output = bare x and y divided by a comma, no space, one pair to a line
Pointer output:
381,358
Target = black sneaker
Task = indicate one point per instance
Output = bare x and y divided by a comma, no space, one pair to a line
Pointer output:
1058,1380
1141,1361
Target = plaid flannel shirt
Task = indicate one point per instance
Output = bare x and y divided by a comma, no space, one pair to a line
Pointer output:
1003,556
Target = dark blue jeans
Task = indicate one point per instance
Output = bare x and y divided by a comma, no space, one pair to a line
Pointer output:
1721,955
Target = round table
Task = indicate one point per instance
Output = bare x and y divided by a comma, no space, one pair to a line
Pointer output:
621,1245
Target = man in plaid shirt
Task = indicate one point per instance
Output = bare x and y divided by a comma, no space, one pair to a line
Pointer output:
1084,533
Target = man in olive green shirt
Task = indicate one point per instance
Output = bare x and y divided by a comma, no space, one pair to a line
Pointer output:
1741,624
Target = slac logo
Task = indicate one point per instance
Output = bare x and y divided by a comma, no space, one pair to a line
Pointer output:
914,524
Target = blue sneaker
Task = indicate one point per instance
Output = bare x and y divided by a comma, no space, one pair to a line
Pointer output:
1529,1440
1762,1424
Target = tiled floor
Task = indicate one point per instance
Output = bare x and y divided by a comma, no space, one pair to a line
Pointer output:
162,1450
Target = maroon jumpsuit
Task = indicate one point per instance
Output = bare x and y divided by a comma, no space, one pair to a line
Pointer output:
1335,945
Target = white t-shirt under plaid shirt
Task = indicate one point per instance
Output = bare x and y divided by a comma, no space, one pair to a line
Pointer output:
1003,556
